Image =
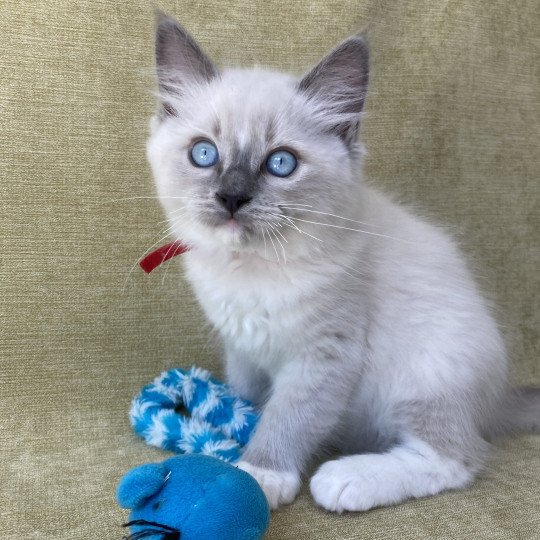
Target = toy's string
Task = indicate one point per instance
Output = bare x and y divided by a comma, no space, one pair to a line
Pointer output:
168,533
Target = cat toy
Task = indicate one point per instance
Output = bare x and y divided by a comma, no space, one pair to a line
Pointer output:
188,411
199,495
193,497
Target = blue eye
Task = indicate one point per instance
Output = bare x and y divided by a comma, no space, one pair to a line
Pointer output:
204,154
281,163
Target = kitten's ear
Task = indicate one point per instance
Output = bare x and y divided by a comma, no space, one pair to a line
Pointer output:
338,83
179,60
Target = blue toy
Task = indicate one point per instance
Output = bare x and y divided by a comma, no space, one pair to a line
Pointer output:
193,497
188,411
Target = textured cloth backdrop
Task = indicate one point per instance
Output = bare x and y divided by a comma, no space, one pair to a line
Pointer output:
453,129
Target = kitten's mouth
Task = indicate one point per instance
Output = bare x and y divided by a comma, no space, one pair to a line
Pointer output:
237,230
234,230
233,225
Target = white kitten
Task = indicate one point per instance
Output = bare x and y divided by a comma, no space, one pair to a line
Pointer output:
352,323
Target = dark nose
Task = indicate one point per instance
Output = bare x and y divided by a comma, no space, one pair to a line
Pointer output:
232,202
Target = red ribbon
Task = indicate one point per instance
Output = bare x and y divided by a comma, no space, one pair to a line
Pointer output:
162,254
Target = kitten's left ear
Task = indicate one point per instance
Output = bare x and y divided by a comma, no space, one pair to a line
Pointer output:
338,83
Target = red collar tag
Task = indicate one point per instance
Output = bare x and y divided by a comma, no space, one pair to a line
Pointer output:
162,254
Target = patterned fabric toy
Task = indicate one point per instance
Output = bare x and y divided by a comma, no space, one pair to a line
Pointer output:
188,411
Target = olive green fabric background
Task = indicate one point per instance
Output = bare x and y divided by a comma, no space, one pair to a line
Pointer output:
453,129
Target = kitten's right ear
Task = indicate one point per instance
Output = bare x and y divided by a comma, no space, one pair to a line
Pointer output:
179,60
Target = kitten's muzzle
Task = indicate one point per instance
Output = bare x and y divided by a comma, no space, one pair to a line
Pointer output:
232,202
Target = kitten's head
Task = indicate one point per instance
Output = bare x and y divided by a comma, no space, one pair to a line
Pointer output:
246,158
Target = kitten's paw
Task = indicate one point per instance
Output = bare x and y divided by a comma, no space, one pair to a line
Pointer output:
362,482
337,488
280,487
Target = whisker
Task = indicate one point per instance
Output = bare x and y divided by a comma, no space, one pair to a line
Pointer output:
350,229
279,242
167,220
358,275
144,197
152,529
333,215
162,235
259,225
353,276
279,232
290,203
270,238
167,266
282,217
182,208
140,257
289,223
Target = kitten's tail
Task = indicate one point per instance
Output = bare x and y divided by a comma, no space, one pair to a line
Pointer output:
522,413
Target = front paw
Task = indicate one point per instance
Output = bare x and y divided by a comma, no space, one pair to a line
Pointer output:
280,487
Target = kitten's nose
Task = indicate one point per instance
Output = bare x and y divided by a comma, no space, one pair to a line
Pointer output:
232,202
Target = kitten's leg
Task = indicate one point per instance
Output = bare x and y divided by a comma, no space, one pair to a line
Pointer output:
437,453
246,378
301,413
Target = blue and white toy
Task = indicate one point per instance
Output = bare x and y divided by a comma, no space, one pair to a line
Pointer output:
188,411
193,497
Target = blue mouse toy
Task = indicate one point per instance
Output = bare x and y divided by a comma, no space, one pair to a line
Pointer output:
193,497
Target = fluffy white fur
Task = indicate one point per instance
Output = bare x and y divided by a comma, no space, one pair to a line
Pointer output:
354,324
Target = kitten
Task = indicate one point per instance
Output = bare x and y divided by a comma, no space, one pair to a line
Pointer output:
352,323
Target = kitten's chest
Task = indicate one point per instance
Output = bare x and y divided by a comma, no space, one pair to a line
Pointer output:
250,321
252,308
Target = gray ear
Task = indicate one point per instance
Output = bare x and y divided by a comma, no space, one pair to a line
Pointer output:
339,84
179,60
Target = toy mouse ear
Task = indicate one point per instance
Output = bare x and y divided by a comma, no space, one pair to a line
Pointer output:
141,483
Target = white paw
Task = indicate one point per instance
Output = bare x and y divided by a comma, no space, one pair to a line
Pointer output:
337,488
280,487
